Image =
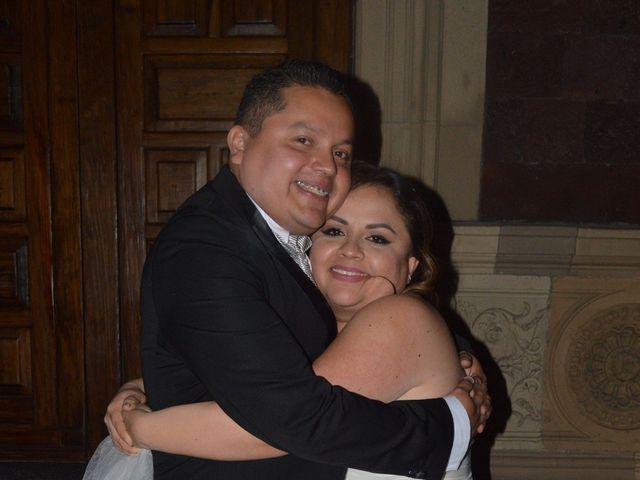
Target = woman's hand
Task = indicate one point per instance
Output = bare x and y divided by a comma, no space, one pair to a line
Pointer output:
129,418
130,395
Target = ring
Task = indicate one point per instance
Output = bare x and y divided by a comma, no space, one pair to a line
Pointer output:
470,379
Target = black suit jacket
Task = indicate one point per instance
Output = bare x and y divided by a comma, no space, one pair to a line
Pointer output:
228,316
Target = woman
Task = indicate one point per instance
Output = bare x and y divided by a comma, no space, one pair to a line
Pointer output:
372,262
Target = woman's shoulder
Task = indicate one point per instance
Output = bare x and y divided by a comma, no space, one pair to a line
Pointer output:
408,312
392,306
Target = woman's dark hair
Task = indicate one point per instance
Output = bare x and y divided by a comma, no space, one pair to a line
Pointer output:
262,96
417,219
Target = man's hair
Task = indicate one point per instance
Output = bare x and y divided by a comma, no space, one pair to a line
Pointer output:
262,96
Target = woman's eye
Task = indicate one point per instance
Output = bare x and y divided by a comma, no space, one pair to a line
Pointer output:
379,239
332,232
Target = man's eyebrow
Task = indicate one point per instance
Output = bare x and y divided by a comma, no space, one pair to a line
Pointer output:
381,225
306,126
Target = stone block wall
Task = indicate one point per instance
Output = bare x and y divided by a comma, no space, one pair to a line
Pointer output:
558,309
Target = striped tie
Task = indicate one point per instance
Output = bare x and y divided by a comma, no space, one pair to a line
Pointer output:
297,247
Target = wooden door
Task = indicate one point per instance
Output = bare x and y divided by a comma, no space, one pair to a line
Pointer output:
112,112
41,330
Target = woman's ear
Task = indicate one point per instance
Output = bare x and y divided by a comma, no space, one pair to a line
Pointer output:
236,141
413,264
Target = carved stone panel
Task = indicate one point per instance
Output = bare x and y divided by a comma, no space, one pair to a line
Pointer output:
593,372
197,93
508,314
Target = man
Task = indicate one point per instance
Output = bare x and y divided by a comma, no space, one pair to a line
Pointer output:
229,316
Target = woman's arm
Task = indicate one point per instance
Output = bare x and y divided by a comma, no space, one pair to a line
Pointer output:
199,430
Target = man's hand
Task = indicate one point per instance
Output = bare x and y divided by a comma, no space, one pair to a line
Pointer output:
130,395
477,401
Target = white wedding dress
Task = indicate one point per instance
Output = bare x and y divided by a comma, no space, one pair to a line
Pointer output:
462,473
108,463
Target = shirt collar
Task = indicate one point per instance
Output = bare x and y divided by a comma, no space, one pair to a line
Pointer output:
280,233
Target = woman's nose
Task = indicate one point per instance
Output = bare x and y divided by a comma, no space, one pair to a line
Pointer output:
351,248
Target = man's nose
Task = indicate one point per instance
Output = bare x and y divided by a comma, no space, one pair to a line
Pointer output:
325,162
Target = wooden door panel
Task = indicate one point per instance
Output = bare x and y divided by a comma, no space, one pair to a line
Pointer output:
11,88
176,169
253,18
12,185
196,93
11,26
182,18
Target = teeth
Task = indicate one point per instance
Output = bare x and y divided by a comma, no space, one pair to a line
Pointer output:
312,189
348,273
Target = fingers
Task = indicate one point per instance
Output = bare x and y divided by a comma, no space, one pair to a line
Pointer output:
130,403
482,402
466,361
472,393
122,444
125,400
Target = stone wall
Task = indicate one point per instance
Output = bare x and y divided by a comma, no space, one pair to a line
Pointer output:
558,309
555,308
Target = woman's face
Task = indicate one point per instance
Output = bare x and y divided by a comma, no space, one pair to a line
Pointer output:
364,240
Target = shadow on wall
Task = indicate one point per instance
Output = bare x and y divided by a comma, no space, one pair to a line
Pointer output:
367,115
368,147
443,235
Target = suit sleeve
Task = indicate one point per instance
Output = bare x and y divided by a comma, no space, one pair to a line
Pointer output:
212,307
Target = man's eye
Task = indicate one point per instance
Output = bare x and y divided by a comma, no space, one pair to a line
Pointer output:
332,232
303,140
379,239
343,155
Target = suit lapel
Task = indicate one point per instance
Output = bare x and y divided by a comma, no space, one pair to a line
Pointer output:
227,184
274,247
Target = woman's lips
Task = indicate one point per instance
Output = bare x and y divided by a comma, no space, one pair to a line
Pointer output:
348,274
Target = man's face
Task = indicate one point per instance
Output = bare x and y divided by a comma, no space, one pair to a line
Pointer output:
297,168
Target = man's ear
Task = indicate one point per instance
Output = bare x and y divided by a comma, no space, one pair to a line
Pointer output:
237,139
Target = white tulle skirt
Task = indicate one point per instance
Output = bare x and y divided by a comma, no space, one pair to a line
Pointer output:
108,463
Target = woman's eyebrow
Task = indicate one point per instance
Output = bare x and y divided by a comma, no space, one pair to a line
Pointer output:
339,219
381,225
